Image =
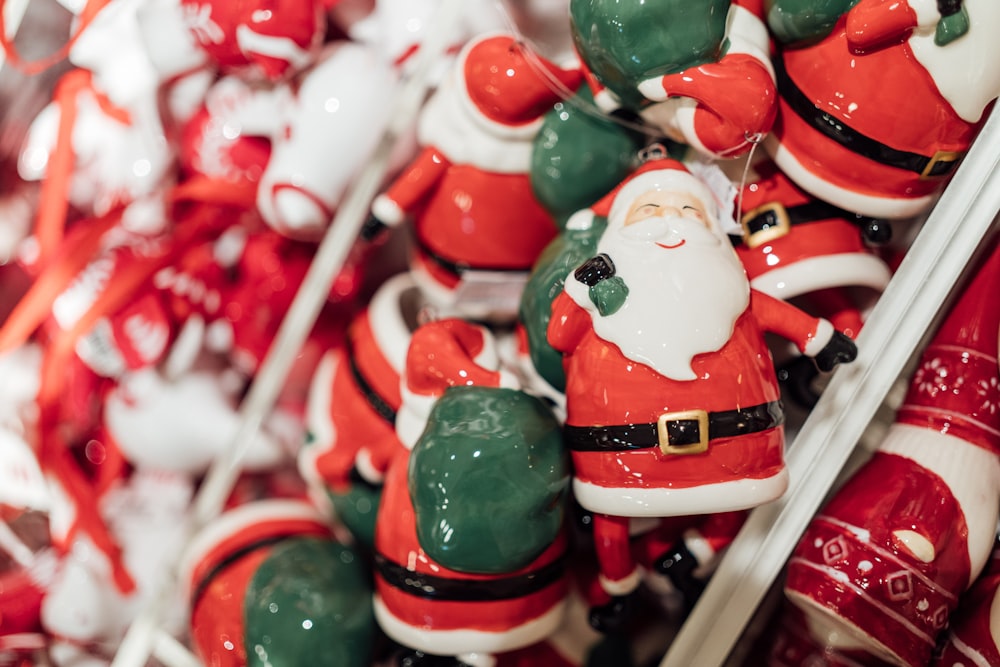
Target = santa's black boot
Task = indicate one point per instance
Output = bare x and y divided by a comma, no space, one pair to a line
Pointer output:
796,378
678,565
614,617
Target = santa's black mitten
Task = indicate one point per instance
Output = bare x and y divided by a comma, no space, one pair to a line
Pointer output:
372,228
840,349
796,378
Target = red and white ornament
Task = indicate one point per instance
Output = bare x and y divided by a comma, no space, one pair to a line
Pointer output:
478,227
887,559
664,319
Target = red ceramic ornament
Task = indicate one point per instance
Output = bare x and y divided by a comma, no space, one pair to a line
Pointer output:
418,602
886,561
354,394
478,227
873,118
671,396
974,629
254,39
793,244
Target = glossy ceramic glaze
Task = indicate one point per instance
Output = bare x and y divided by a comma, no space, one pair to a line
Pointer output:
322,130
477,223
267,582
697,72
792,21
791,246
256,40
886,561
974,629
488,479
494,595
578,157
567,251
351,411
858,77
614,39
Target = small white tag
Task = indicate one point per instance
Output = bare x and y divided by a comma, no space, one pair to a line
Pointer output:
723,189
493,293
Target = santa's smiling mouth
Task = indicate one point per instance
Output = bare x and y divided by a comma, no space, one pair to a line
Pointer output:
671,247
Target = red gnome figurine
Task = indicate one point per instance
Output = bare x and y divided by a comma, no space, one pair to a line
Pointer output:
885,562
671,396
478,226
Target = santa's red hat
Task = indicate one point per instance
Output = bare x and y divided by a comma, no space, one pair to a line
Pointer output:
656,173
442,354
510,84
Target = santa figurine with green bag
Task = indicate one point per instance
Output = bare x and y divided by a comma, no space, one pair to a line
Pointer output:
672,401
470,541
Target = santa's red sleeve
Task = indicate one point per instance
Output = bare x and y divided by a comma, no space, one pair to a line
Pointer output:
568,324
411,187
809,334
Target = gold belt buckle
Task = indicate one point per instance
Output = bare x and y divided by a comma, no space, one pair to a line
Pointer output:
940,156
664,437
762,236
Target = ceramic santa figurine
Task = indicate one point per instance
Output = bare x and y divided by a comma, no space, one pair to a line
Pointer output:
671,396
698,72
794,246
478,227
353,400
873,117
267,581
470,540
884,563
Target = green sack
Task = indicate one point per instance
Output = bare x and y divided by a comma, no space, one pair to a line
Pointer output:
488,479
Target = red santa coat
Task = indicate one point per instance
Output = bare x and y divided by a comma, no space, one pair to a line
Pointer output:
465,215
886,95
603,387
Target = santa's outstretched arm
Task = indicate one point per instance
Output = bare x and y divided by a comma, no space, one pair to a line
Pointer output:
393,206
814,336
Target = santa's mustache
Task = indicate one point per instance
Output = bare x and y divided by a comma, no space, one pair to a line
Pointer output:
669,228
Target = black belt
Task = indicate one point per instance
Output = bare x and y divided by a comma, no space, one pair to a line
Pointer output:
941,163
683,432
378,404
458,268
231,558
773,220
432,587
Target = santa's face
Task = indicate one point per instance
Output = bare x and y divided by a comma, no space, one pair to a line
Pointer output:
665,203
686,287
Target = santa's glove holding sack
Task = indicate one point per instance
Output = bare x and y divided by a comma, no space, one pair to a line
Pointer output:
606,290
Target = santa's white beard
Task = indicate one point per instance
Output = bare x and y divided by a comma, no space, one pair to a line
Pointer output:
681,302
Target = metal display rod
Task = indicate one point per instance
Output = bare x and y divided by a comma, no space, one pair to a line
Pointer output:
933,264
